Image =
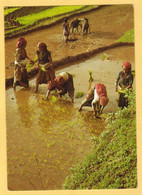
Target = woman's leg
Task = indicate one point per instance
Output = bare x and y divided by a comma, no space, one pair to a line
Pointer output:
39,79
85,102
96,103
18,77
24,77
47,94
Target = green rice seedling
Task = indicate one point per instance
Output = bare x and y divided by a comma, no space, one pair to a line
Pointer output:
90,76
53,99
73,75
72,136
133,73
43,69
79,94
29,65
104,56
35,59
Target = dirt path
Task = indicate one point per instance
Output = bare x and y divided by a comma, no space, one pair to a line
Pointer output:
107,25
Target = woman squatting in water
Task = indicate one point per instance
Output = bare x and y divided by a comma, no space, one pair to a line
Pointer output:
97,98
64,83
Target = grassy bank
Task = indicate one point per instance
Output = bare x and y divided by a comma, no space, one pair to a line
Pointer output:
127,37
10,10
112,164
36,19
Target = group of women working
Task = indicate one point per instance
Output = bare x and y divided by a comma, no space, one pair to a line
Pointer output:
97,95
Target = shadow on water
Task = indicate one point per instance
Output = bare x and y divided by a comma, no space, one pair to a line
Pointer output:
45,138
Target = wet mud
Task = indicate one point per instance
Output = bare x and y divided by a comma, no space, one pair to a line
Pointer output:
107,24
45,138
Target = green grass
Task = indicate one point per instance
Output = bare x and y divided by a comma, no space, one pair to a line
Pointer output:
113,162
45,17
127,37
10,10
49,13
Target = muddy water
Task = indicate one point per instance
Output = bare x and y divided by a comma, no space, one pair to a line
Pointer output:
47,137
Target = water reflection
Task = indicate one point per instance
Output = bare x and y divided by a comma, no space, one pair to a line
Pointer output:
24,108
52,135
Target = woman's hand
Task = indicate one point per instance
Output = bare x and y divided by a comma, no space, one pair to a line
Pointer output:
31,62
116,88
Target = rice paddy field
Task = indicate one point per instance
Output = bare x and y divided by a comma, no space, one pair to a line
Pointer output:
47,141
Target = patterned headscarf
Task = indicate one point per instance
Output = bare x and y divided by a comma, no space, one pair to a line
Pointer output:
21,43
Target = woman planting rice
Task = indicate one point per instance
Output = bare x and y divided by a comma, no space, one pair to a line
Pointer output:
64,83
97,98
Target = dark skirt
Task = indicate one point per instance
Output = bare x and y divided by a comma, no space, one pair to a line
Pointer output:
68,87
44,77
122,101
24,76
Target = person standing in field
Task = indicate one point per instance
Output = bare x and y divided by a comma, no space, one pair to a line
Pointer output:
20,71
46,70
97,98
123,83
66,30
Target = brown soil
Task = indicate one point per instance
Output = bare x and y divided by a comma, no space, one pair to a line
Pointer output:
106,24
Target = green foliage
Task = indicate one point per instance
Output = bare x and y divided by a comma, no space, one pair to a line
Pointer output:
79,94
10,10
127,37
29,65
90,76
112,164
73,75
104,56
53,100
49,13
133,73
43,69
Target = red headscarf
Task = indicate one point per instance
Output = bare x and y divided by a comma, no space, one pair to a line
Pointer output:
127,65
51,85
58,83
21,43
101,89
102,93
104,101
